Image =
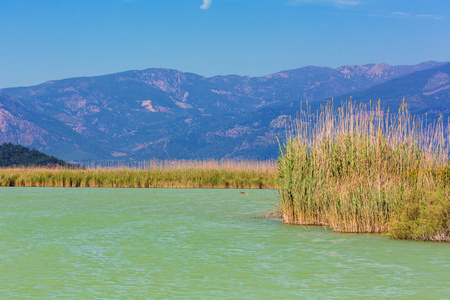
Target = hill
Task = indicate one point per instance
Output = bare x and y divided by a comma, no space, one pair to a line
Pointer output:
18,156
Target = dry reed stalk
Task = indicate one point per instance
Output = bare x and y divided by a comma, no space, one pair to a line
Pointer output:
210,174
354,168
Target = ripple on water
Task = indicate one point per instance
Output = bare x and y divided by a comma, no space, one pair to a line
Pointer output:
169,243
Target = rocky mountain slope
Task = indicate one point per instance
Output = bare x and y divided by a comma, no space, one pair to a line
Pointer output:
169,114
425,92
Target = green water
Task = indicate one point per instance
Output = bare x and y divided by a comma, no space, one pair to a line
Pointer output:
178,243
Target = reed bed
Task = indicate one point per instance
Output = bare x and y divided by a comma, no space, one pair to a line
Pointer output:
363,170
159,174
207,164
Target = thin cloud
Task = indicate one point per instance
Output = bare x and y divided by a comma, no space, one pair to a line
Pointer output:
429,17
206,4
400,14
338,3
405,15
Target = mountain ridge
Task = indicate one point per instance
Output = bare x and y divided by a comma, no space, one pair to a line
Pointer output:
166,113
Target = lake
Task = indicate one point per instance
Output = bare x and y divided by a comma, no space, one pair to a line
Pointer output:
102,243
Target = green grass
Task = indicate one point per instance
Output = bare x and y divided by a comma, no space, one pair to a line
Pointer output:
359,169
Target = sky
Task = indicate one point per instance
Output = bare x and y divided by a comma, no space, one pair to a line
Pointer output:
55,39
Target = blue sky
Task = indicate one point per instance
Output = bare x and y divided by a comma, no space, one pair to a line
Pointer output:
53,39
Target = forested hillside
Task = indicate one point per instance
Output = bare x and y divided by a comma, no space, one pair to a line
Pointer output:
16,155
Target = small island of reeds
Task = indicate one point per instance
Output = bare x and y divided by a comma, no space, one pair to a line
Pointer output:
360,169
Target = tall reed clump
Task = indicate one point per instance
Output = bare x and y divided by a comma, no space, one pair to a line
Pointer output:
360,169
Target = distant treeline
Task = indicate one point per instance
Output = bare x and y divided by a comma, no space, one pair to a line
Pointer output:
19,156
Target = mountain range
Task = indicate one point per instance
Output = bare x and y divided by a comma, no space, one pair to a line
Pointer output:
168,114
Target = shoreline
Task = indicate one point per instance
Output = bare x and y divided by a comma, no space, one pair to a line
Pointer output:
150,187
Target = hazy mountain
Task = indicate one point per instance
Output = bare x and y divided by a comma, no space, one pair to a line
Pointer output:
21,125
169,114
425,92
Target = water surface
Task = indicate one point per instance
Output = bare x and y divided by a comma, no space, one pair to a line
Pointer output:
86,243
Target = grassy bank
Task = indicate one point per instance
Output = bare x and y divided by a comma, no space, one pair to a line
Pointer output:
178,174
359,169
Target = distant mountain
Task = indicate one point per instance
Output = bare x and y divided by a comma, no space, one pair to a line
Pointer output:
21,125
161,113
425,92
18,156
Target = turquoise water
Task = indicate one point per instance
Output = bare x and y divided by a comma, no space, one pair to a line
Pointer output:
182,243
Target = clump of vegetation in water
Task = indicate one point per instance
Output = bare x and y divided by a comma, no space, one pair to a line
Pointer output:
178,174
360,169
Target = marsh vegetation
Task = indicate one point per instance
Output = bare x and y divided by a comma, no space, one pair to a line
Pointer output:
361,169
150,174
